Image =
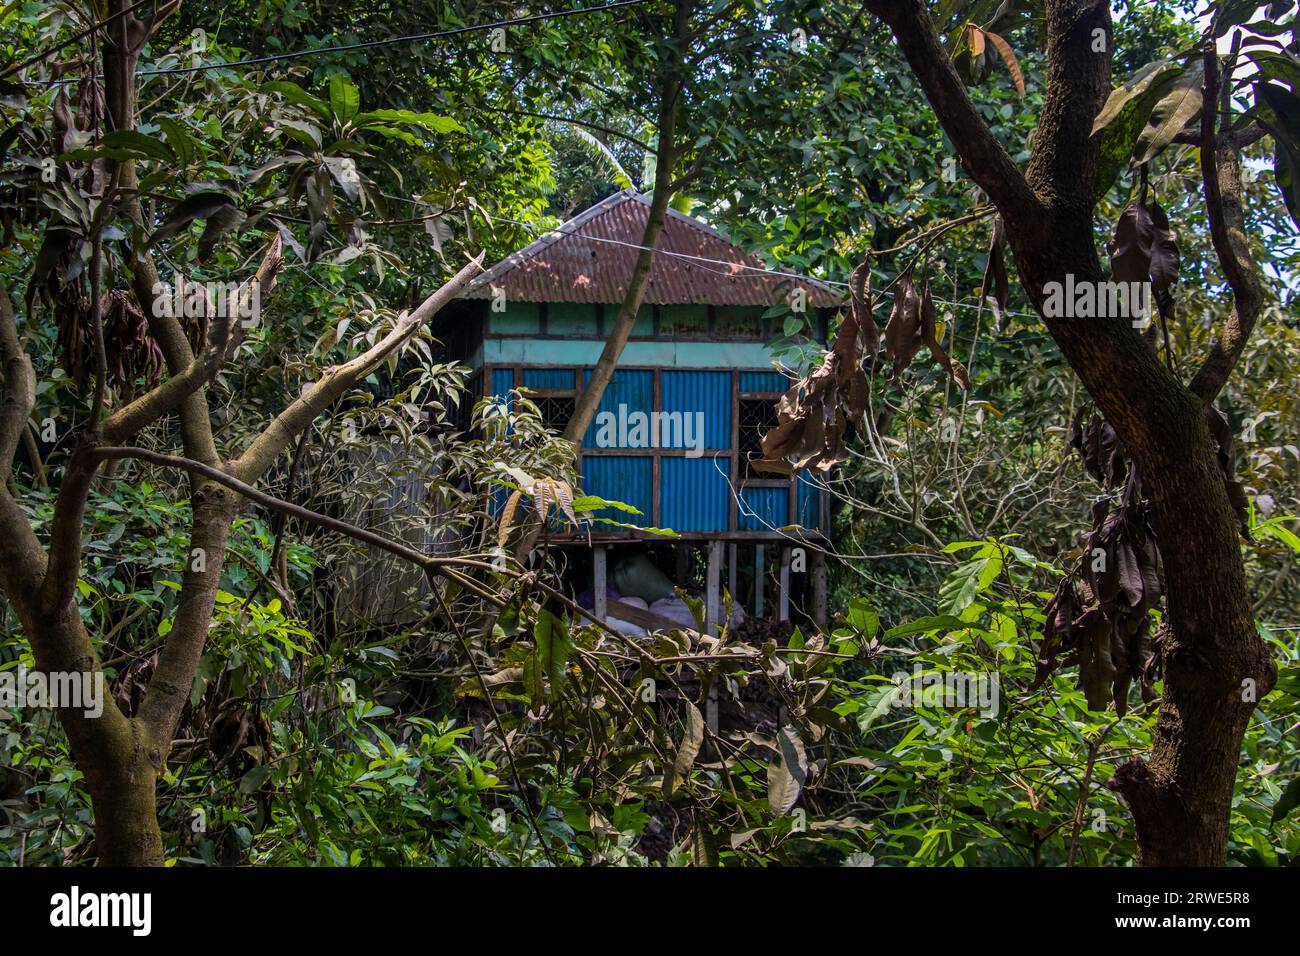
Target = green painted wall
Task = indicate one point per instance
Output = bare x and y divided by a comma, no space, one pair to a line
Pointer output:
519,318
666,354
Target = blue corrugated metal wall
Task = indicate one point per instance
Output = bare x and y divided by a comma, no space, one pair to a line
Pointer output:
763,382
503,380
548,378
634,388
625,478
707,392
809,502
694,494
768,508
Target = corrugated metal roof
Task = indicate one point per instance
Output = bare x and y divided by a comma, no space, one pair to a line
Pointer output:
582,261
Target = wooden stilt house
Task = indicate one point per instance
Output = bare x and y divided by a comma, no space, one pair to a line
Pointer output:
697,367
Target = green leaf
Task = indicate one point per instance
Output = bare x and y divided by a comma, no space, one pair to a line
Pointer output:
297,95
1133,89
925,625
431,121
1289,800
596,503
864,618
692,740
179,140
345,98
1285,127
878,702
704,848
1277,530
1278,66
959,590
1233,13
138,144
253,780
786,776
215,208
1174,111
553,648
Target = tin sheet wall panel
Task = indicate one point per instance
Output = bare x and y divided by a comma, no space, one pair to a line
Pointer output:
809,498
763,509
632,388
695,493
763,382
625,478
696,393
549,378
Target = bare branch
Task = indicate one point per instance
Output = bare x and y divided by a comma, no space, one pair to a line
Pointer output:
1221,172
227,480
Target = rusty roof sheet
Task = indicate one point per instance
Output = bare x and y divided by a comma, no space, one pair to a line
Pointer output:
590,258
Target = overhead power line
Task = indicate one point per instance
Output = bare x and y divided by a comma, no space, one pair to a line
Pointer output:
389,41
94,27
371,44
757,271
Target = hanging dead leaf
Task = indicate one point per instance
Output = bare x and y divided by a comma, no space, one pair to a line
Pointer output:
814,414
996,270
1142,249
1009,58
903,331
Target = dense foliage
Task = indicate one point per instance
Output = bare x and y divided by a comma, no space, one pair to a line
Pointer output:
492,724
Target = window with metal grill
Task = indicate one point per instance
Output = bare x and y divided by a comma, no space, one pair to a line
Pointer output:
757,417
556,410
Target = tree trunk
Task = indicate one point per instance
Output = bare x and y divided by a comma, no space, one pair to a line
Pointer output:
670,94
1215,667
122,792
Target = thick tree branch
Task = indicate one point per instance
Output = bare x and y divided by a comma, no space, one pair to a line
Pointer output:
280,433
153,405
1063,166
19,387
213,509
121,56
982,155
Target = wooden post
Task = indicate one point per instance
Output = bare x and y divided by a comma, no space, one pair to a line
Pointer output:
731,573
600,606
760,580
819,588
713,622
783,611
